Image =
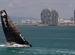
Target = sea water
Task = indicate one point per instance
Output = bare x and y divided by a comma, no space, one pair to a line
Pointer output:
45,40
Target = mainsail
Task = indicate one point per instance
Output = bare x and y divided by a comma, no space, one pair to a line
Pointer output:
11,32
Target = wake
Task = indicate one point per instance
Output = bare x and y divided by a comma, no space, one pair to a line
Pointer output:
2,45
15,45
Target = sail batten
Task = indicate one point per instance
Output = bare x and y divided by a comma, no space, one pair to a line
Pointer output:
11,32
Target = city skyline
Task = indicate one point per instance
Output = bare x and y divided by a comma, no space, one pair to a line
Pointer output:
33,8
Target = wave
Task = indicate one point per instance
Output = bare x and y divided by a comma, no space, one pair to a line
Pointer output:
38,50
50,51
2,45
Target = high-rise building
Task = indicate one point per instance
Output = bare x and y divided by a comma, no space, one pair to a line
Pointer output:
74,16
49,17
45,16
54,17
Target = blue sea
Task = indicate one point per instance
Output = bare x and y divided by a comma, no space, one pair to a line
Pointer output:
50,40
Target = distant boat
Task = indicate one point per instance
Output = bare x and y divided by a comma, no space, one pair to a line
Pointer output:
12,34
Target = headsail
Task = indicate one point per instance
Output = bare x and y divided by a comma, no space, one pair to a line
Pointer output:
11,32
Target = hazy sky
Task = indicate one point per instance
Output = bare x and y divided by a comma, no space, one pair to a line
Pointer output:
33,8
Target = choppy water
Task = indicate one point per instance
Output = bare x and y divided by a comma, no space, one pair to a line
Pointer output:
45,40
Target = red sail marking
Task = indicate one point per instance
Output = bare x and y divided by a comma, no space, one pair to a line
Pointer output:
11,24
